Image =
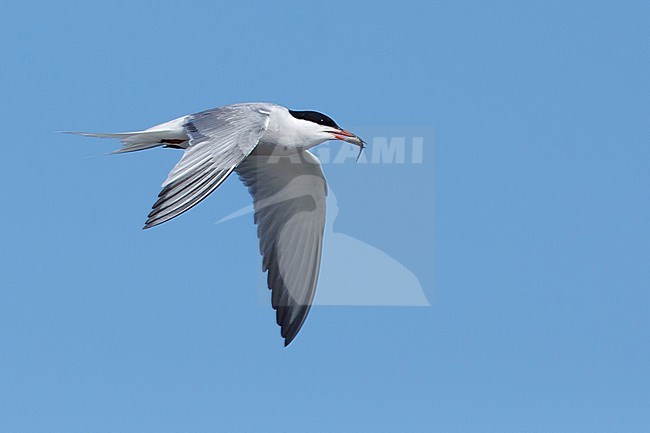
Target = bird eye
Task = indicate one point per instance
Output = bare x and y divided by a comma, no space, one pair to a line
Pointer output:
313,116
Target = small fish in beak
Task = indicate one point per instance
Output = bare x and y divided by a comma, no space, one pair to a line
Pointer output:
352,139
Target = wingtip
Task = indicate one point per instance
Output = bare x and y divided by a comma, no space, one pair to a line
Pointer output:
288,338
152,221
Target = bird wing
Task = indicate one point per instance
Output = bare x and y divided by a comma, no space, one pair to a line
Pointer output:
289,202
219,140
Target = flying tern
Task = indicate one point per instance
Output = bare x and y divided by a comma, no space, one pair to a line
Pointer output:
267,146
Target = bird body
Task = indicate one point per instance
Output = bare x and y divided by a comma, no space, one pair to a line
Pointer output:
253,140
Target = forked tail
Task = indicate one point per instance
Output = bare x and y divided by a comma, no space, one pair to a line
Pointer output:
170,134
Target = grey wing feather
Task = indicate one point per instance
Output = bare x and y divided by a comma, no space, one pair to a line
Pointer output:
219,140
289,202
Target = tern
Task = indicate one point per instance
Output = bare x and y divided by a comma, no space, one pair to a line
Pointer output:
267,145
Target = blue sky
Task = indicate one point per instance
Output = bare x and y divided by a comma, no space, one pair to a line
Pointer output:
527,228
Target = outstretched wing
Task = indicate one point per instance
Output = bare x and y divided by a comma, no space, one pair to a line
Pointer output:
219,140
289,201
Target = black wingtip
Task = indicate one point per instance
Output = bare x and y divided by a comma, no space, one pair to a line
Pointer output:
149,224
288,340
290,334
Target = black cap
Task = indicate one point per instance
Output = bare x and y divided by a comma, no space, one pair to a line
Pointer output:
316,117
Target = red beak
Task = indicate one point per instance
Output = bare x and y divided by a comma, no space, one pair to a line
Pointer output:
342,134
